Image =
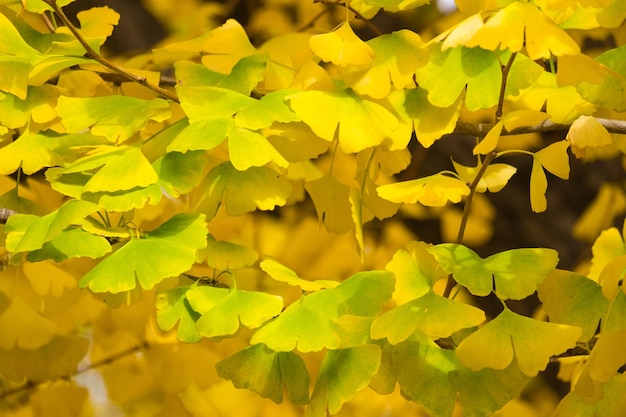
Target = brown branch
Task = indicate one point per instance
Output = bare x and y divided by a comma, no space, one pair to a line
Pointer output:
481,129
91,53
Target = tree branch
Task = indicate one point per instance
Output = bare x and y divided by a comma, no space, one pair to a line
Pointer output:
481,129
91,53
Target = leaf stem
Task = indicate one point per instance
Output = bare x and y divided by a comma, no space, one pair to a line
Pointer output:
356,14
91,53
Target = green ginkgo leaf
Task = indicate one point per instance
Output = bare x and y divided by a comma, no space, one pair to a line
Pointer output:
434,315
268,373
434,191
173,307
223,311
164,252
71,243
361,123
271,108
179,173
596,93
248,148
116,117
416,271
27,232
342,374
612,403
512,274
531,342
222,255
205,103
573,299
281,273
329,318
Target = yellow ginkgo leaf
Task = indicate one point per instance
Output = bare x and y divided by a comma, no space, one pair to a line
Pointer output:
490,141
342,47
496,176
524,117
554,159
520,25
574,69
538,187
332,203
587,132
434,191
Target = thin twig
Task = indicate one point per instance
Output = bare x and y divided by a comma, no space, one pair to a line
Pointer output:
481,129
505,75
356,14
91,53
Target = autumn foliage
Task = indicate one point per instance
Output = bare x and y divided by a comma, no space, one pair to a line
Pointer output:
222,226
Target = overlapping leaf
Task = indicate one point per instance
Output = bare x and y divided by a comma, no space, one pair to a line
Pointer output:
281,273
268,373
222,310
331,318
510,335
434,191
553,158
166,251
241,191
342,47
173,307
510,274
360,123
495,177
613,83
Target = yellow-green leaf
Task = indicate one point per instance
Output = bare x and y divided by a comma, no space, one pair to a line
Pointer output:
435,190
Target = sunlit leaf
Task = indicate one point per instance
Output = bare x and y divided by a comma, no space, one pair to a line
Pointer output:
271,108
248,149
490,141
416,271
587,132
208,103
361,123
268,373
30,152
27,232
573,69
495,177
223,310
396,57
72,243
173,307
573,299
434,315
509,335
342,47
510,274
554,159
164,252
435,190
607,356
242,191
342,374
281,273
179,173
449,72
613,82
115,117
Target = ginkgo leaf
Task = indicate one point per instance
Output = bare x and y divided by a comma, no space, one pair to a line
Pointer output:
342,47
608,246
23,327
271,108
281,273
574,69
361,123
268,373
317,320
573,299
416,271
490,141
207,103
495,177
611,277
611,404
614,82
519,118
164,252
434,315
179,173
30,152
115,117
510,335
222,255
222,310
538,188
71,243
173,307
434,191
520,25
342,374
449,72
27,232
554,159
332,203
417,114
512,274
396,57
243,77
587,132
607,356
248,148
201,135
